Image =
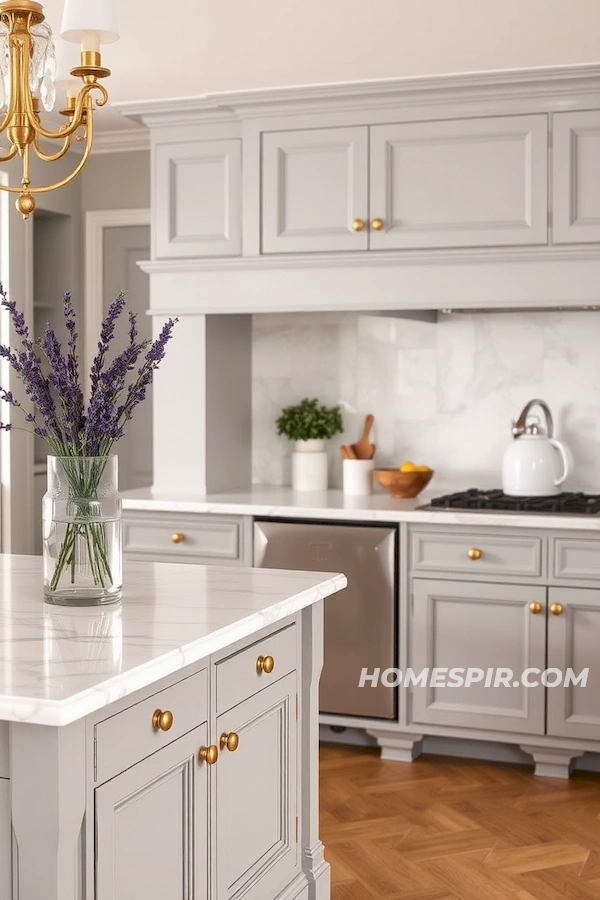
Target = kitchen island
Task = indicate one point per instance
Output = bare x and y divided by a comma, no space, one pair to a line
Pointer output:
164,747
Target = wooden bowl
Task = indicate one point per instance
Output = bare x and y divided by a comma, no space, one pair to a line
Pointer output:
402,485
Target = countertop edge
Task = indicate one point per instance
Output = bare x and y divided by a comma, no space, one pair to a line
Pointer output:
65,712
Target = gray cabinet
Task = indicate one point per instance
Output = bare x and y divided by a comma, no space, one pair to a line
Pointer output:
5,841
314,187
573,642
460,182
461,625
256,795
576,177
197,208
152,826
187,537
474,182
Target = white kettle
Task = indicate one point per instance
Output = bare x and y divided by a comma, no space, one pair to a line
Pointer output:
534,465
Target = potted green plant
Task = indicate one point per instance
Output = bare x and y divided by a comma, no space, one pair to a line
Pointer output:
309,424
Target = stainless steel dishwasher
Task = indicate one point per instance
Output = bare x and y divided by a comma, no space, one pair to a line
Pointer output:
360,621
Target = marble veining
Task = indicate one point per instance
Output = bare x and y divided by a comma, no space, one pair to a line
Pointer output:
442,393
59,664
280,501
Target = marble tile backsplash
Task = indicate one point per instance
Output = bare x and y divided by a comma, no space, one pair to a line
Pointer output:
442,393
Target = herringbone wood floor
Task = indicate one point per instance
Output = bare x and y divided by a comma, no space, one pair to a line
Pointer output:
448,829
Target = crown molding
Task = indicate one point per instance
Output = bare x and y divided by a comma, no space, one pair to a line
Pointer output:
123,141
552,83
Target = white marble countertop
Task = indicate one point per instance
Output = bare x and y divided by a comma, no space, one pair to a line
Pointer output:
58,664
275,501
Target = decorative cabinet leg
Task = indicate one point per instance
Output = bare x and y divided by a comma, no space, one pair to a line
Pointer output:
551,762
47,772
398,747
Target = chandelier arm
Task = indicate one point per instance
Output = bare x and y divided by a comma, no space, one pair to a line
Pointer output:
51,157
63,181
10,155
82,111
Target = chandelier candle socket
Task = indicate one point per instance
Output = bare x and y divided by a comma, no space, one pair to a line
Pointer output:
82,511
28,78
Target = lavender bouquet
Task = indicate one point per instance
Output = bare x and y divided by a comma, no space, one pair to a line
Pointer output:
81,540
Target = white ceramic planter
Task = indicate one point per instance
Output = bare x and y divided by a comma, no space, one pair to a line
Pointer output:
309,466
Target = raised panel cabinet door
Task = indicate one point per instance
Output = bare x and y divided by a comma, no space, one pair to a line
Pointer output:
459,183
5,841
314,190
256,795
492,627
573,642
576,177
198,208
152,827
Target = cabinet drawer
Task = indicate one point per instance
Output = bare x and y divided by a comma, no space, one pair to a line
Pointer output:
476,554
238,676
129,736
184,538
576,559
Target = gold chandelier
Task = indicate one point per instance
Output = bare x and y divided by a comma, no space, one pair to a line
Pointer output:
28,78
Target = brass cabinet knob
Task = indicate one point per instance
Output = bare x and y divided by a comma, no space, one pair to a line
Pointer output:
265,664
162,720
230,741
535,608
377,224
358,224
556,609
474,553
177,537
208,754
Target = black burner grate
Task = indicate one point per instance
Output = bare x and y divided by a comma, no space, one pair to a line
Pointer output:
567,502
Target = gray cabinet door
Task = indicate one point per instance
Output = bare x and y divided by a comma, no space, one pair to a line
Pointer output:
460,182
314,185
460,625
151,827
5,841
256,795
573,642
576,177
197,210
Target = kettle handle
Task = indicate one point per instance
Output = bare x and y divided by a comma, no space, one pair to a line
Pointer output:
565,460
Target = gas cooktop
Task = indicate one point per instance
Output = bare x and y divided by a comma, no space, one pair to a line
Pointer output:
567,502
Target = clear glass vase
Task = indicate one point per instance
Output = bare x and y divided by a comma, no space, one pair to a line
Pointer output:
82,543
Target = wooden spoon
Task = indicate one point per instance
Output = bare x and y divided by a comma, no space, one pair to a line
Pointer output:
347,452
363,448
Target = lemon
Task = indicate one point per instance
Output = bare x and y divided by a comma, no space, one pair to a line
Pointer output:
407,466
422,468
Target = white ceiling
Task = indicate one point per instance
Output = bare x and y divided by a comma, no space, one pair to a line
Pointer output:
191,47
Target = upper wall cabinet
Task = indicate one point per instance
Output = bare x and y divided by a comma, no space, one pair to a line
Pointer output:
315,190
576,177
459,183
456,183
198,206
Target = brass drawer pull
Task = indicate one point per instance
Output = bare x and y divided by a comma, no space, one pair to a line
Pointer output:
358,225
177,537
230,741
474,553
208,755
265,664
557,609
535,608
162,721
377,224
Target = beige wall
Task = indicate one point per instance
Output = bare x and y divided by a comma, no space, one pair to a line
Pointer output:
116,181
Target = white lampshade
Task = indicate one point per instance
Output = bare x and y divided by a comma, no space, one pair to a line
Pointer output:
89,22
67,58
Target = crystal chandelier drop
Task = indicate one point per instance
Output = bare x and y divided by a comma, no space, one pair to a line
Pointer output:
29,78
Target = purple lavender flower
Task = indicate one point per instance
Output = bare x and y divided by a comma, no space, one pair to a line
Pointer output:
53,385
